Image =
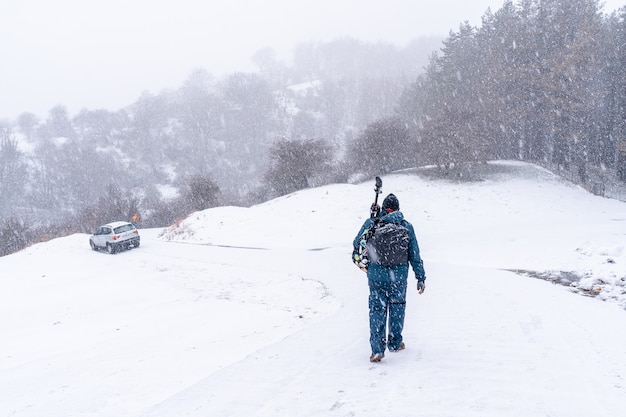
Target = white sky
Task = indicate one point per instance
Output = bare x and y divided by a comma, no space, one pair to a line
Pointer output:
82,53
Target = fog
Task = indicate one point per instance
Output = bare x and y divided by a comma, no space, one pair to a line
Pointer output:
82,54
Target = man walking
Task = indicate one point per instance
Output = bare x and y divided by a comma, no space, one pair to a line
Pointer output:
391,248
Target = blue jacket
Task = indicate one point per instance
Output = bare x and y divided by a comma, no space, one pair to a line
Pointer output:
379,272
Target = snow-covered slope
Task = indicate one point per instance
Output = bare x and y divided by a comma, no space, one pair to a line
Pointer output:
259,312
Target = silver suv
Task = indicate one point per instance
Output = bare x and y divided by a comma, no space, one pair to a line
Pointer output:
114,237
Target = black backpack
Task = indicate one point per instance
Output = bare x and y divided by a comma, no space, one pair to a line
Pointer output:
388,244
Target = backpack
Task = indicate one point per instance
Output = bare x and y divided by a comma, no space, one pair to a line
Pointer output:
388,244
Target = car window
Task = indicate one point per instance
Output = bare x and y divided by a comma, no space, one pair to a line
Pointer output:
124,228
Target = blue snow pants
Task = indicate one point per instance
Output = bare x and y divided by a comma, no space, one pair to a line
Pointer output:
387,300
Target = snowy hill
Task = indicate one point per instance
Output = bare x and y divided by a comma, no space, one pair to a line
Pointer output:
259,312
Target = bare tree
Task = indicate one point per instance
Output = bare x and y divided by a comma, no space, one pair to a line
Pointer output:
295,164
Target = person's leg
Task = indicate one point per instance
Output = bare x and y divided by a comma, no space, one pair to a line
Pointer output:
378,316
397,305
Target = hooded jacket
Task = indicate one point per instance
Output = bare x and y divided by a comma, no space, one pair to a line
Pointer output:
379,272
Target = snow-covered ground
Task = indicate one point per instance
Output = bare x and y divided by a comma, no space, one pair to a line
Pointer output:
259,312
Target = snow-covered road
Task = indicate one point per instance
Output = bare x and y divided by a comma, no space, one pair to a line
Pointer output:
198,323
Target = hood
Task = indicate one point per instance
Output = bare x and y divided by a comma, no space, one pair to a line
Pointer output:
393,217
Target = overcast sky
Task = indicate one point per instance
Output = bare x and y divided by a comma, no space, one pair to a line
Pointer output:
103,54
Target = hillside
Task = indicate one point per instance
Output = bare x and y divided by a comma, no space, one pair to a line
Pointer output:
259,312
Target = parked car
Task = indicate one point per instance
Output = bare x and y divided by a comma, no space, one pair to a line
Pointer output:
115,236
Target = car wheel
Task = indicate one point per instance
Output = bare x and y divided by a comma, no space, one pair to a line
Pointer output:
93,245
111,249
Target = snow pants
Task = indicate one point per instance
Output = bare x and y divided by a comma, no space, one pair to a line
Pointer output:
387,300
